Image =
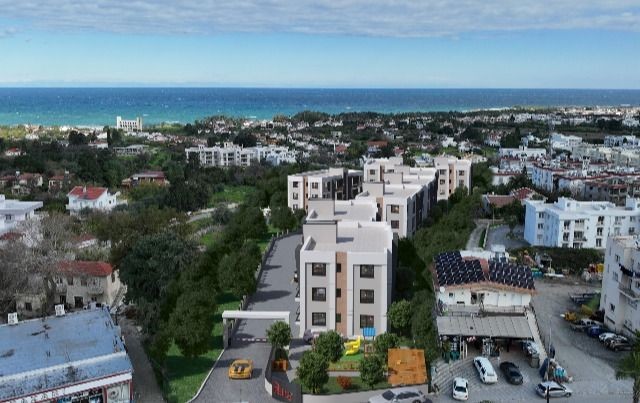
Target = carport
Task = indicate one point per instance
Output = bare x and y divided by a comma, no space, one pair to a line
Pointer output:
468,328
262,315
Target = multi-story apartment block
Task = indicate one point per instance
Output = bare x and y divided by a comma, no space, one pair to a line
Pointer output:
346,272
129,125
564,142
621,141
523,152
614,189
226,156
568,223
332,183
621,285
452,174
12,212
132,150
91,198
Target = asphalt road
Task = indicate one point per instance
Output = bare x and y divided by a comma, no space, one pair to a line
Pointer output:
276,292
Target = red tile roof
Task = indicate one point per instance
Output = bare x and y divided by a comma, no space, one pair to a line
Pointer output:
500,200
10,236
89,193
79,267
522,193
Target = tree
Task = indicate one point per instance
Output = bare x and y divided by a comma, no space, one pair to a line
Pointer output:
191,322
383,342
512,222
279,334
77,139
312,370
423,328
283,219
629,368
236,270
221,214
329,344
371,370
399,316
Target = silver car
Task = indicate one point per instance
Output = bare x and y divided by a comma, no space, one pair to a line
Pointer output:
554,389
400,395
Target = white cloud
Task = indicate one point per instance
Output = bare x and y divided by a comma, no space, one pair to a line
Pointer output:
415,18
7,32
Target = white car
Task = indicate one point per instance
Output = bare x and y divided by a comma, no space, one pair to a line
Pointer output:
400,395
460,389
606,336
485,370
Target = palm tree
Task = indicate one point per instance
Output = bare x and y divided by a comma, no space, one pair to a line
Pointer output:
629,368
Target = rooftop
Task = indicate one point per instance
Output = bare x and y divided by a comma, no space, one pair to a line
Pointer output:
43,354
87,193
343,210
14,207
79,267
515,327
358,237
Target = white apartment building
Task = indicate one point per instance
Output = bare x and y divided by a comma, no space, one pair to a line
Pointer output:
91,198
564,142
129,125
332,183
621,141
12,212
523,152
226,156
621,285
568,223
274,155
452,174
346,276
341,210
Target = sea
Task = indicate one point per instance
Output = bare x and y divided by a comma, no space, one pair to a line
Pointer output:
100,106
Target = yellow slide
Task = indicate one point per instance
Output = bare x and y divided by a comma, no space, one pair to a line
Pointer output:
353,347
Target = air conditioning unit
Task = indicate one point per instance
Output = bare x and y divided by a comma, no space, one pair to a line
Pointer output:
12,318
60,310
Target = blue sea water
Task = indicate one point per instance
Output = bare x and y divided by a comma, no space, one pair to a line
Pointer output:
100,106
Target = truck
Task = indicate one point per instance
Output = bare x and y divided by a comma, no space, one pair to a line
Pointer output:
583,324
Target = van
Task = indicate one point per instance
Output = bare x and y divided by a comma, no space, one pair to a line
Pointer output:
485,370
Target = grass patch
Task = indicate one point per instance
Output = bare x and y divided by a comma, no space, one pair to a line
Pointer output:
347,363
481,240
185,375
231,194
264,242
210,238
357,385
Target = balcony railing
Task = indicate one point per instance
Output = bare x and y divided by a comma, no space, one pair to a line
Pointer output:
628,292
95,289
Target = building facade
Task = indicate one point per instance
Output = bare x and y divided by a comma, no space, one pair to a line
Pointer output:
129,125
453,173
12,212
332,183
568,223
91,198
346,272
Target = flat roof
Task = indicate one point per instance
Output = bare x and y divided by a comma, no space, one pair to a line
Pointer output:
513,327
49,353
18,207
347,210
358,238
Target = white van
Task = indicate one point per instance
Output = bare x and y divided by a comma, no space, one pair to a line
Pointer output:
485,370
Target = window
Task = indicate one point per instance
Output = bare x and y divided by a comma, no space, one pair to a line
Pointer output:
318,269
295,196
338,318
372,172
615,276
70,280
617,259
395,209
366,296
314,185
366,271
366,321
395,224
28,307
540,225
442,181
338,292
460,183
461,173
632,231
319,294
612,307
338,267
113,277
295,206
319,319
295,184
83,281
598,243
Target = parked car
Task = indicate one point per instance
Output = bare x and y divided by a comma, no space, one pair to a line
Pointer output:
400,395
584,323
485,370
310,335
241,369
595,331
460,389
554,389
615,338
620,344
530,348
606,336
512,373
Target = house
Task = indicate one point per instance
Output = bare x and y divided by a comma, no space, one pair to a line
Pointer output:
78,284
59,182
91,198
13,152
130,151
453,173
70,357
620,286
346,272
153,177
12,212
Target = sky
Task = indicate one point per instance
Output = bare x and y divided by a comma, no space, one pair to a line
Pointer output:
322,43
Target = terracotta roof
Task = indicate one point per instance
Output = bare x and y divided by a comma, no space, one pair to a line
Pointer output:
89,193
10,236
150,174
522,193
96,269
500,200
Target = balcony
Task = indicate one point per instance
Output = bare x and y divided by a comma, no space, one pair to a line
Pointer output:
628,292
626,271
95,289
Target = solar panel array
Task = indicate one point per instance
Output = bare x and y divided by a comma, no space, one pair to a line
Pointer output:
451,269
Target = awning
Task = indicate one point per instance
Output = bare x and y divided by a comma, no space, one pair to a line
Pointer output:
512,327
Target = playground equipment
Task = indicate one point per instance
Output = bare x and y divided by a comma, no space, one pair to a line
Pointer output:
353,347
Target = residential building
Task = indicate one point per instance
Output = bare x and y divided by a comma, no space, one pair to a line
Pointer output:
91,198
153,177
621,141
12,212
621,285
502,176
453,173
615,189
568,223
129,125
346,272
523,152
358,210
70,357
228,155
564,142
59,182
130,151
473,282
13,152
21,183
78,284
332,183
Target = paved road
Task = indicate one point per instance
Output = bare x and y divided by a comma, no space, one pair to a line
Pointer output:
498,236
474,237
276,292
145,387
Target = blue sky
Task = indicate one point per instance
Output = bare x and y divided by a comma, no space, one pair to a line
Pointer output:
322,43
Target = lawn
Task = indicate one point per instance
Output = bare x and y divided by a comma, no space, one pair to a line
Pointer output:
332,386
185,375
347,363
231,194
210,238
264,242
